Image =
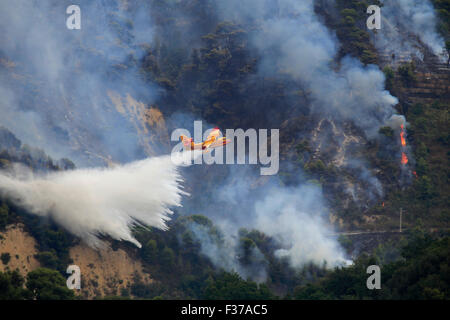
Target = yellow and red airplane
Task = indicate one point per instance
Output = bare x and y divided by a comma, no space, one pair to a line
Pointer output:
213,141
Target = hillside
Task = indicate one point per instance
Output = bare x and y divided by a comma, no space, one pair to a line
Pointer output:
364,136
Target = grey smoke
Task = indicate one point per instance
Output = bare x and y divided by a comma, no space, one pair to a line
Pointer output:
292,39
58,79
295,217
405,20
225,253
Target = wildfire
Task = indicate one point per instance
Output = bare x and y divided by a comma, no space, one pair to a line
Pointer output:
403,140
404,158
402,136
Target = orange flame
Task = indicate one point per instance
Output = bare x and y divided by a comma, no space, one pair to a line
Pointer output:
404,158
402,136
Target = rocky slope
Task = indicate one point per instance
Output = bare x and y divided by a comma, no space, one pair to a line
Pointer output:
105,272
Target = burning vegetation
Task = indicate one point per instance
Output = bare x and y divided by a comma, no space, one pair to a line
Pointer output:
403,141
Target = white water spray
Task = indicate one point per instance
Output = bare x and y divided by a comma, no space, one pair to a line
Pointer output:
100,201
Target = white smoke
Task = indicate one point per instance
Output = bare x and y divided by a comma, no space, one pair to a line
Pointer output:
226,253
403,22
396,121
295,41
100,201
295,217
67,74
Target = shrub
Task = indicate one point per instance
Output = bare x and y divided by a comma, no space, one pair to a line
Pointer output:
5,257
46,284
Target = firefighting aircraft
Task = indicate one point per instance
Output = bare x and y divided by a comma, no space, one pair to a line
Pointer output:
213,141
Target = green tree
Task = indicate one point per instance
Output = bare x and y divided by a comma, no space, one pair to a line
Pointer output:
247,247
150,251
425,187
167,258
421,166
406,72
48,259
11,286
387,131
389,75
47,284
231,286
5,257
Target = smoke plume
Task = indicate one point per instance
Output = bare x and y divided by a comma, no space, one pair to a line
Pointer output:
292,39
54,81
403,22
227,253
296,218
417,17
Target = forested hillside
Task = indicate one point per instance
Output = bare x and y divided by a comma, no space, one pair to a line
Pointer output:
203,64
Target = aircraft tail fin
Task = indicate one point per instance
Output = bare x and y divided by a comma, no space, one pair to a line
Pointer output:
187,142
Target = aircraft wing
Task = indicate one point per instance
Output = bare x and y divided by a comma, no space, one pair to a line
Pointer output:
212,141
219,142
208,143
213,135
189,144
